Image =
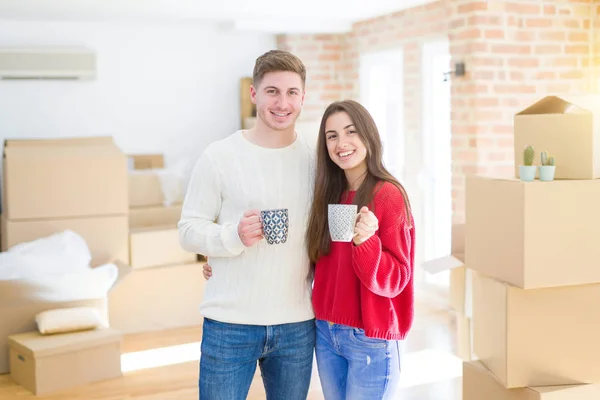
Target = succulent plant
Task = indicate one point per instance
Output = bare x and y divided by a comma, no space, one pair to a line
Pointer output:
528,155
551,161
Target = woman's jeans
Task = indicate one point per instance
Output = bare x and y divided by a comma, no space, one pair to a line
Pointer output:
229,353
353,366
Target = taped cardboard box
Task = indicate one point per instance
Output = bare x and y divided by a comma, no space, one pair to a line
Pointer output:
158,298
480,384
533,234
63,178
46,364
21,301
537,337
107,237
567,128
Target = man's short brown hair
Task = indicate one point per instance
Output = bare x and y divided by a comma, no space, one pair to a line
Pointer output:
277,60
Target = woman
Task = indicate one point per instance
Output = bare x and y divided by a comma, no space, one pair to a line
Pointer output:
363,290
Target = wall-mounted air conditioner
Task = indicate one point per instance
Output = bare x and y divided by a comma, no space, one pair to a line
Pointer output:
47,63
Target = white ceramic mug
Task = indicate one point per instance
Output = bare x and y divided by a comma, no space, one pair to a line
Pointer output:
342,219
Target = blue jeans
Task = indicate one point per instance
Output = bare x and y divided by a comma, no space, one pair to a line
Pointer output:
353,366
229,353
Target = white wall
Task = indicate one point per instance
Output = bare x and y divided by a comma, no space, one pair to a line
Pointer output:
161,87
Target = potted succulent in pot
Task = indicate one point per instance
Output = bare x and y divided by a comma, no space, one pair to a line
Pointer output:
527,170
547,169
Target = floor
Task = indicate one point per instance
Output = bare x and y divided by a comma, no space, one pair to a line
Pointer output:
164,365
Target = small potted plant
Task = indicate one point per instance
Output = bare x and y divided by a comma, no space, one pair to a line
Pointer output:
527,170
547,169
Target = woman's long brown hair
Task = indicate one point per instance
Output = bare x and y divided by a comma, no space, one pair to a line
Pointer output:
331,183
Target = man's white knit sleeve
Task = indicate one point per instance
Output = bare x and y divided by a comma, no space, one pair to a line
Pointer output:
198,231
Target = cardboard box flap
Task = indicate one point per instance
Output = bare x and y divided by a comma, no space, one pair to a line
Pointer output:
455,259
61,142
442,264
34,344
563,105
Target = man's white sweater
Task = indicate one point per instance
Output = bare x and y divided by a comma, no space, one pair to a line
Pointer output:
263,284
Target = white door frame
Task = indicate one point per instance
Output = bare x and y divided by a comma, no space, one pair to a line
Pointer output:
436,234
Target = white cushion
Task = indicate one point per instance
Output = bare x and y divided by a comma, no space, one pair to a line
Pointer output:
68,320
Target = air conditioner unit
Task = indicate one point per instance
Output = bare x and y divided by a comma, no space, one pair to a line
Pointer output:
47,63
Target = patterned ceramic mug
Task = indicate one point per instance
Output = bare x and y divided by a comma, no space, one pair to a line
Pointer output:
342,218
275,224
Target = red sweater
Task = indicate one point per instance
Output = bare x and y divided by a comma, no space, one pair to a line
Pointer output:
370,286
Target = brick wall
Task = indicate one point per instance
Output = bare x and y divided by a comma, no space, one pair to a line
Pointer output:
515,52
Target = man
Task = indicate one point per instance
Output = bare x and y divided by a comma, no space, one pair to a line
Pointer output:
257,304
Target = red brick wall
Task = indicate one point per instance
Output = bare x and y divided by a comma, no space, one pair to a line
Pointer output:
323,56
515,52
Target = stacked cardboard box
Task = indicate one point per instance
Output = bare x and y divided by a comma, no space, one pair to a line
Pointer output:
50,186
534,246
57,184
166,285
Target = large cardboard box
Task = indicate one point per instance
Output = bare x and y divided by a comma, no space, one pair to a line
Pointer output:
480,384
537,337
62,178
157,246
460,276
533,234
45,364
107,237
567,128
21,301
158,298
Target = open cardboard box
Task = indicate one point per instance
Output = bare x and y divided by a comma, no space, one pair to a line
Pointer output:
20,302
567,128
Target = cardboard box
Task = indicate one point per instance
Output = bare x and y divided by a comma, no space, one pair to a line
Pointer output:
533,234
62,178
107,237
154,216
147,161
158,298
145,189
480,384
45,364
460,276
464,338
568,129
537,337
157,246
21,301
